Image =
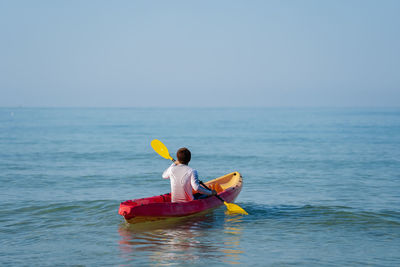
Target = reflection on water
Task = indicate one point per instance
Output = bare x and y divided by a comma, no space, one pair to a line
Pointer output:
211,237
232,236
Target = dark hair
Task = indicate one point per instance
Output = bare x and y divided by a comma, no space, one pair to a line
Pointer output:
183,154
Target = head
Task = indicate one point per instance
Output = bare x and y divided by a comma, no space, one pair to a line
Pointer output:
183,154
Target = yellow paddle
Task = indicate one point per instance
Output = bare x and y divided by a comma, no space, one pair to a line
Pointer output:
232,208
162,150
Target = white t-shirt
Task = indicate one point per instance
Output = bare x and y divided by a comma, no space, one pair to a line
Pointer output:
183,179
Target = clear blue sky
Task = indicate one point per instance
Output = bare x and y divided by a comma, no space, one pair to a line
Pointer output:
200,53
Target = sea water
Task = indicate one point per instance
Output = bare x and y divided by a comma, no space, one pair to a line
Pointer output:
321,186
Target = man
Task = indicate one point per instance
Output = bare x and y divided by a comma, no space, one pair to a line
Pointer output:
184,179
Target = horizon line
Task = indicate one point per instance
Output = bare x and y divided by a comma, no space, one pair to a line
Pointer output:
196,107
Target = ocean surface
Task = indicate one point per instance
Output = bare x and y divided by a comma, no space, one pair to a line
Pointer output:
321,186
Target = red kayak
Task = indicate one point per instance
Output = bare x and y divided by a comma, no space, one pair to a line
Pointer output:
227,186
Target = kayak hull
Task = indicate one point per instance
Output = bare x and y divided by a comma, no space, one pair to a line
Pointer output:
227,186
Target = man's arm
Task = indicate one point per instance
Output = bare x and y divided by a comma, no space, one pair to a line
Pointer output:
167,173
196,185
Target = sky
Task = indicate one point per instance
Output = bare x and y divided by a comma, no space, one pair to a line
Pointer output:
341,53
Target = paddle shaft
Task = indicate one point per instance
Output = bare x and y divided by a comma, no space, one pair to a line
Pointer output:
211,190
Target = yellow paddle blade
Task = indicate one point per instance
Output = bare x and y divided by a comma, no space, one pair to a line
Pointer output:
161,149
233,208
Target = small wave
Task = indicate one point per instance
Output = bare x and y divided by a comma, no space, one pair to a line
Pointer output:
61,207
324,215
22,217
